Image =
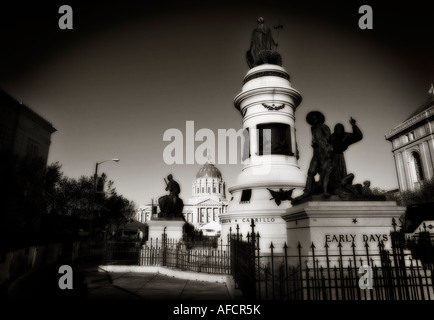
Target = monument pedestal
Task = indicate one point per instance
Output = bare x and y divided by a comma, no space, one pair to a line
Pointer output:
267,104
340,228
173,228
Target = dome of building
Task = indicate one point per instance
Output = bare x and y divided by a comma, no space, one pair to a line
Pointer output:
208,171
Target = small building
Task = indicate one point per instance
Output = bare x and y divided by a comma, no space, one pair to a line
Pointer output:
23,132
413,146
145,212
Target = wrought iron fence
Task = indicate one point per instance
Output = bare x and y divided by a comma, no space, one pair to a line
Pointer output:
122,253
402,272
199,255
395,274
243,262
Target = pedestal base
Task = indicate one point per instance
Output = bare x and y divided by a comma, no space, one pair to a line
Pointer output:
341,227
173,228
264,212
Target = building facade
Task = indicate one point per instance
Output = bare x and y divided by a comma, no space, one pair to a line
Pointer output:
208,199
413,146
207,203
23,132
144,213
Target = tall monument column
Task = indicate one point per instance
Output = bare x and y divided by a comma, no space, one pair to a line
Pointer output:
271,175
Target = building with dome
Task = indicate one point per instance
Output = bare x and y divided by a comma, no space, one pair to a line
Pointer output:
208,199
207,202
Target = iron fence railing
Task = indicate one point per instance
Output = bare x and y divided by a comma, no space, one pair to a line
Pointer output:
199,255
404,272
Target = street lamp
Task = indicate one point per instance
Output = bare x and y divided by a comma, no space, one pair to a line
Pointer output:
95,188
95,177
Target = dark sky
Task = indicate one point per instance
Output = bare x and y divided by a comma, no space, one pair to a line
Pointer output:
129,71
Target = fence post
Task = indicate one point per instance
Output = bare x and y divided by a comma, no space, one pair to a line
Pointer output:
285,247
341,269
164,246
272,268
300,270
259,266
251,255
328,269
353,246
315,271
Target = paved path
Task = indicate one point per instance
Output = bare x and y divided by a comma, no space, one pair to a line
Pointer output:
151,286
91,283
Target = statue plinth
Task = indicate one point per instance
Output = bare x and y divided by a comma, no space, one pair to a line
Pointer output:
172,228
339,225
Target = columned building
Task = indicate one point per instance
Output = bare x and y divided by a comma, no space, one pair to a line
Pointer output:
413,146
208,199
144,213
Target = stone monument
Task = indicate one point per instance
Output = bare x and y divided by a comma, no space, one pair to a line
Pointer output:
170,220
333,212
271,175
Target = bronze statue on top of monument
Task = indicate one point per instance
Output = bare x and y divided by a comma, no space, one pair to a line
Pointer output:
329,163
171,205
262,46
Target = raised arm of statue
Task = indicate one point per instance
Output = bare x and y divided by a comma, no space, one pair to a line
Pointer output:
355,136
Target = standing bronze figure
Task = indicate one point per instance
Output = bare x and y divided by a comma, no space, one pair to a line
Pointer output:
262,47
321,162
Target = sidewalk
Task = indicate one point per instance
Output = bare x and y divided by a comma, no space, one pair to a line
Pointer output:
93,283
151,286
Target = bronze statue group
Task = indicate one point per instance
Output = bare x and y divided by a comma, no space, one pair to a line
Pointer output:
328,160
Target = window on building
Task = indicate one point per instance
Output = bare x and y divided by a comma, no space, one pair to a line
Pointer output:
246,195
411,136
32,149
246,144
214,189
274,138
418,166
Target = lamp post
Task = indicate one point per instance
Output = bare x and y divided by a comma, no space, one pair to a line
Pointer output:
95,177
